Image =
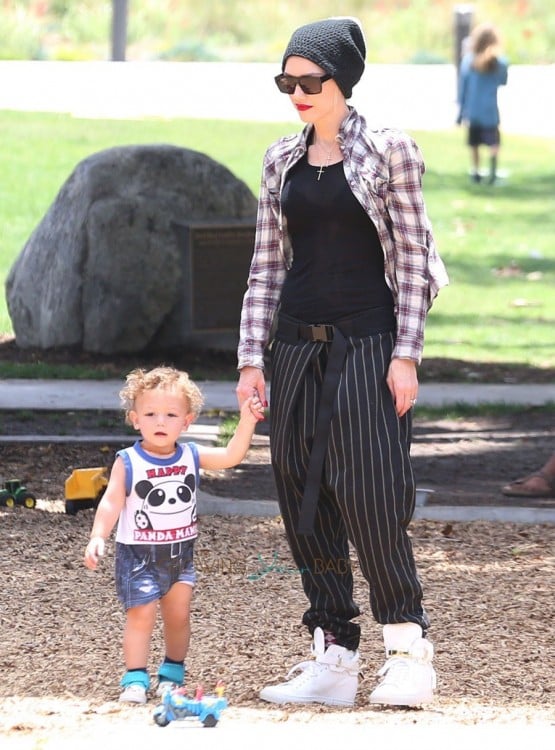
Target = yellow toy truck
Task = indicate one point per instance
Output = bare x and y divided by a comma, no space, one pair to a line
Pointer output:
84,488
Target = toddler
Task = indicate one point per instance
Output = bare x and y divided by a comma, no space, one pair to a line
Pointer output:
151,496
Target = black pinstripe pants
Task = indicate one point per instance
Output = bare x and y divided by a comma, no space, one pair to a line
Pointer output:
367,489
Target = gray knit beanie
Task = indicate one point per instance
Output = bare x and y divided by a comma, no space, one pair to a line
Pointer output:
336,45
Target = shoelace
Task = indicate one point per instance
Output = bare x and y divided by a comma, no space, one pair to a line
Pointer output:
394,669
398,671
306,668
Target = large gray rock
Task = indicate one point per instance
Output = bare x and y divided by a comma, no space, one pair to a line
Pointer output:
103,270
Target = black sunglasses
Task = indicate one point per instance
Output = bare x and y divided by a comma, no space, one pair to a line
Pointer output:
310,84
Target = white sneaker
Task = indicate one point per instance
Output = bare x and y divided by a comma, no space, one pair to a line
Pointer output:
164,687
133,693
408,678
332,678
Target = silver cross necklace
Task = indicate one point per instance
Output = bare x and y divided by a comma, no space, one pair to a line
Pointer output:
323,167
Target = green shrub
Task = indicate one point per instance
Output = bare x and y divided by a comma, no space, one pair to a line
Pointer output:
398,31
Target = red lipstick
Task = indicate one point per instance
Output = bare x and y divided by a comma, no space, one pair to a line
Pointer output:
303,107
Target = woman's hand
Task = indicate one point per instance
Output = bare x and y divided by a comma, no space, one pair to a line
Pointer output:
251,383
402,381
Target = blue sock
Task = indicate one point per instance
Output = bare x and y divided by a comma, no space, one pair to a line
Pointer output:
172,671
135,676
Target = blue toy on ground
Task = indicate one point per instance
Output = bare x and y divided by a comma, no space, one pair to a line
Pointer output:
176,706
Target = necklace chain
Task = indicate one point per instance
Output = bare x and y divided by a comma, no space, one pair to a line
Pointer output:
327,162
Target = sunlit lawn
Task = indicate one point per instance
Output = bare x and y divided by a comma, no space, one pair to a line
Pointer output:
497,242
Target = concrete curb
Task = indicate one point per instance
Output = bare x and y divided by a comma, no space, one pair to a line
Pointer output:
228,506
485,513
225,506
425,100
103,394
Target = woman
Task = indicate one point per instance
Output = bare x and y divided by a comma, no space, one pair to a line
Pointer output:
344,248
483,70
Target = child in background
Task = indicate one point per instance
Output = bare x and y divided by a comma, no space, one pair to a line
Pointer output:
151,496
483,69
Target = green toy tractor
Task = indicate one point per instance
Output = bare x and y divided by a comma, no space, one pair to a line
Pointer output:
15,493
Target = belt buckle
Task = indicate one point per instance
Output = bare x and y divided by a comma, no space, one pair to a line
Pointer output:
322,332
175,550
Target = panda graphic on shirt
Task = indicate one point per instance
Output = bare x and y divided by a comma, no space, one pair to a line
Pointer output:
160,505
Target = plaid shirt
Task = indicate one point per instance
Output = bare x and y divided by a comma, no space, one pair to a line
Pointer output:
384,170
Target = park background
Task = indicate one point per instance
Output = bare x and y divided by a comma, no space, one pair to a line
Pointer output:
198,75
399,31
488,584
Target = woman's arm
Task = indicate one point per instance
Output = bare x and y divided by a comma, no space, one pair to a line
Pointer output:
267,270
252,411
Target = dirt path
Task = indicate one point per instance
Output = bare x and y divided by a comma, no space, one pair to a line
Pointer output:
465,461
488,589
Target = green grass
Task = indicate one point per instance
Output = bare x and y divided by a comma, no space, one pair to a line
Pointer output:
455,411
464,410
497,242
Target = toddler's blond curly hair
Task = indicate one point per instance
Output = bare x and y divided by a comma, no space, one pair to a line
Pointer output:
165,378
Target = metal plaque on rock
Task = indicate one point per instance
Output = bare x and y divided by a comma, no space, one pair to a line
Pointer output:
217,258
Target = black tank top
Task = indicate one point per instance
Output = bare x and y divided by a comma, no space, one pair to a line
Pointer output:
338,262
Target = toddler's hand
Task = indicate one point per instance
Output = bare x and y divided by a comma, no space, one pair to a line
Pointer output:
94,551
253,407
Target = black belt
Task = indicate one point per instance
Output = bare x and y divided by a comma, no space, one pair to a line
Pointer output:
169,551
377,320
372,322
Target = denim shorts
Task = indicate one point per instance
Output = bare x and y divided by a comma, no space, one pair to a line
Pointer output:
146,572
